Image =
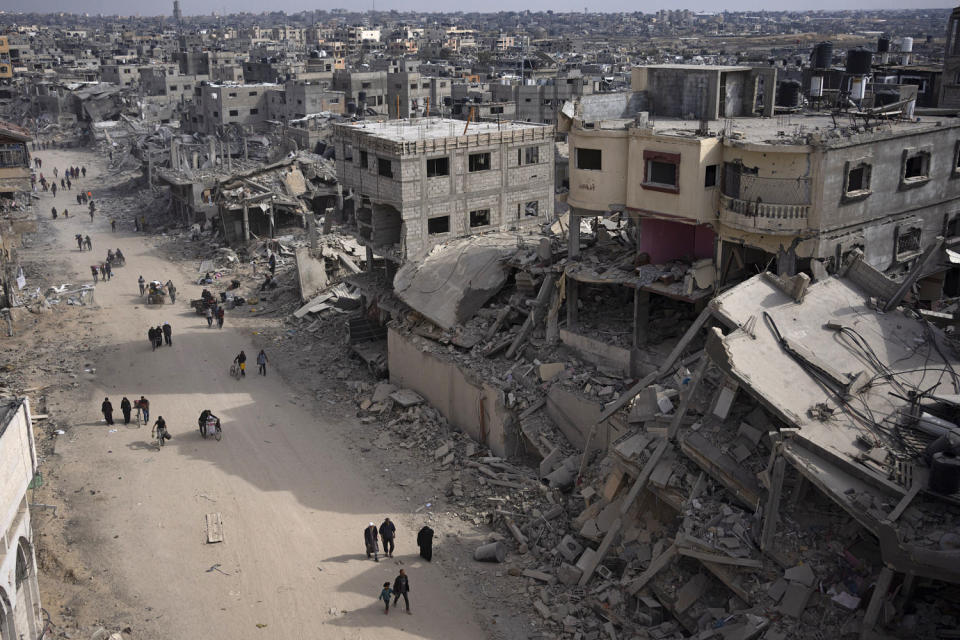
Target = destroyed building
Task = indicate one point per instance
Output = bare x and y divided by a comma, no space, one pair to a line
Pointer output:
420,182
16,209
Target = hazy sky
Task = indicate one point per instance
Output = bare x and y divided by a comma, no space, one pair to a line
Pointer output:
192,7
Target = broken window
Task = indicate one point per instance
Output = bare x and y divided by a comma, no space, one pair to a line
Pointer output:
661,171
915,169
348,152
479,162
233,112
710,176
439,224
438,167
480,218
364,160
858,179
254,112
589,159
907,242
253,93
233,94
384,167
364,85
528,155
664,173
13,155
532,209
496,110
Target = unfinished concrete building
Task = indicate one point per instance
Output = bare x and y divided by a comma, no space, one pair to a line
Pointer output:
425,181
411,95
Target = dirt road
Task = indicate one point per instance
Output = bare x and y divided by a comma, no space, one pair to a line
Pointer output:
292,497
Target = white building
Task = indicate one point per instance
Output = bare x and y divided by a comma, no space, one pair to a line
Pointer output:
19,591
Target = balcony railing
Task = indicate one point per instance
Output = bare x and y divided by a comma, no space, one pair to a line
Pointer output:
751,215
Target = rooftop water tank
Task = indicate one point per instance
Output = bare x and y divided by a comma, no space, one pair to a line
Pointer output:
883,44
822,55
788,94
859,61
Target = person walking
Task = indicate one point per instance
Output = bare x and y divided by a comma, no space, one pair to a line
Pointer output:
91,212
220,318
143,285
262,370
79,199
172,290
63,183
241,361
103,272
109,270
401,588
209,317
66,214
152,336
385,594
56,172
86,241
273,263
158,332
69,185
425,542
94,269
53,211
83,170
387,533
125,408
107,410
371,543
167,334
113,226
53,189
79,241
143,406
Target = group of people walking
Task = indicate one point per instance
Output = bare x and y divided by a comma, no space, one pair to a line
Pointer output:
160,335
103,270
142,405
83,242
387,532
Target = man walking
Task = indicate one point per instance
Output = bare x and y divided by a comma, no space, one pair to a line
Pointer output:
152,336
262,370
387,533
79,241
370,541
273,264
107,410
125,408
95,270
401,587
143,406
209,317
86,241
220,322
425,542
172,290
142,284
109,270
167,333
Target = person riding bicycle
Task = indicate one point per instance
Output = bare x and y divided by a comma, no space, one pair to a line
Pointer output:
160,428
241,361
205,417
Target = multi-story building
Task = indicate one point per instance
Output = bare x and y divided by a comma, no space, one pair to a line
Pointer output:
796,192
19,591
299,99
6,65
410,94
219,105
123,75
362,40
424,181
362,90
950,85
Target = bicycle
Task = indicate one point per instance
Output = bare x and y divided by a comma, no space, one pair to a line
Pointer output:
159,437
235,370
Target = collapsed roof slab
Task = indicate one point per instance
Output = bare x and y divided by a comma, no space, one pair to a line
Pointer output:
451,284
831,426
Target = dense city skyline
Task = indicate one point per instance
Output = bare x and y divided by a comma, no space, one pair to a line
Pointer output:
145,8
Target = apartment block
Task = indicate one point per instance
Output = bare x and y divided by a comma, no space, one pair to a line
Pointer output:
123,75
424,181
218,105
411,94
363,90
6,65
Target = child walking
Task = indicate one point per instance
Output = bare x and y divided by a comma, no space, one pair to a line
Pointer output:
385,594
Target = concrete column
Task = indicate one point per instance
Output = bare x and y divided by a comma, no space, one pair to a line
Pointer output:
246,223
573,294
573,235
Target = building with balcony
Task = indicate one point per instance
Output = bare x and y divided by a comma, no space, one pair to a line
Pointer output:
421,182
796,192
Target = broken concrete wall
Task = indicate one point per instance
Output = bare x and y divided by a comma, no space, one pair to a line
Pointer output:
311,273
597,352
468,403
575,416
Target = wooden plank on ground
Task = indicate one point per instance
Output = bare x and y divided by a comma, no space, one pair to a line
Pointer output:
214,528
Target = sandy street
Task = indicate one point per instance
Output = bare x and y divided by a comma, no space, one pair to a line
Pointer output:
292,498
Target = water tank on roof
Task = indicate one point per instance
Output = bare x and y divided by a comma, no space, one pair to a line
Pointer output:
351,107
906,44
883,44
822,55
788,94
883,95
859,61
362,96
